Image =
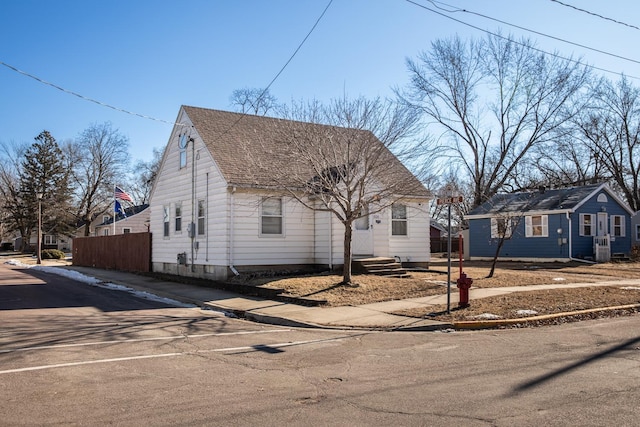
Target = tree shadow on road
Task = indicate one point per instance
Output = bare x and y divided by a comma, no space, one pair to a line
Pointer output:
561,371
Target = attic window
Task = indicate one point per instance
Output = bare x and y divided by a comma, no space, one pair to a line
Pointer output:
602,198
184,141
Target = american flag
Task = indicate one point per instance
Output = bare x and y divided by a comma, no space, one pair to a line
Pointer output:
122,195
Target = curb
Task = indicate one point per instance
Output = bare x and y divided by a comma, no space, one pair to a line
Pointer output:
489,324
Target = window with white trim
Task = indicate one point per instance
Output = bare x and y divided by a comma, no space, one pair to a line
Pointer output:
50,239
637,231
501,228
617,226
178,218
201,217
587,224
165,220
105,231
399,220
536,226
271,216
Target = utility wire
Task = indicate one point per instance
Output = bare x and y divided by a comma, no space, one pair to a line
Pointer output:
595,14
70,92
538,33
514,41
266,89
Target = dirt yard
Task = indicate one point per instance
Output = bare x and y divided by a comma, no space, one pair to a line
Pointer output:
521,304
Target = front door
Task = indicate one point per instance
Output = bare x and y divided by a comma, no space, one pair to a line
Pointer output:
362,236
602,224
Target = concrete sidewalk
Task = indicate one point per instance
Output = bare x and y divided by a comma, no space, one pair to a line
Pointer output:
367,316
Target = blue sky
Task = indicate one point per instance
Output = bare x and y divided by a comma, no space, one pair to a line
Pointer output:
151,56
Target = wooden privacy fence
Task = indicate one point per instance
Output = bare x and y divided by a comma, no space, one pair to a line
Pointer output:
440,244
123,252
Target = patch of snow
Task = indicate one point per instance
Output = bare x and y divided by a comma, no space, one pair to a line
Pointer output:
631,288
487,316
526,312
559,279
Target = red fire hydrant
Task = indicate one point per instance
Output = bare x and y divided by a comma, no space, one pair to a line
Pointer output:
464,283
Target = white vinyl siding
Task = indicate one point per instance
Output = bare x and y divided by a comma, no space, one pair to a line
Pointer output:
412,248
536,226
294,246
617,226
174,186
587,224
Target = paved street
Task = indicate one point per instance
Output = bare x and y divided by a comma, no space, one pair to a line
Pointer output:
76,354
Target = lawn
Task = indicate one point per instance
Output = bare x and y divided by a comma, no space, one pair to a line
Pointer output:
434,282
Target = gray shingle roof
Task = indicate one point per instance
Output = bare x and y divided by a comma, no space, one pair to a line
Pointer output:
548,200
256,151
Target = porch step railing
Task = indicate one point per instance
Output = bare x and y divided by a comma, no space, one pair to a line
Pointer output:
602,248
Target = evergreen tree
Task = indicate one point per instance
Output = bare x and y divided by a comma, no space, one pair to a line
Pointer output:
43,172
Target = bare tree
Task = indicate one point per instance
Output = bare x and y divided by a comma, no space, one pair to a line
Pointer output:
144,175
338,158
253,101
101,157
610,131
494,101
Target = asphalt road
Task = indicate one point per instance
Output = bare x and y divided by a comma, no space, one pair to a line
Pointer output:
73,354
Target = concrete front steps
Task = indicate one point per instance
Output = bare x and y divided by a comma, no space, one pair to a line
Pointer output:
380,266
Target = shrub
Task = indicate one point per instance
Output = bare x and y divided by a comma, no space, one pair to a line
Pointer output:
52,254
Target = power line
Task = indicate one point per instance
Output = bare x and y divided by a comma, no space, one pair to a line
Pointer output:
243,114
70,92
540,33
103,104
596,14
514,41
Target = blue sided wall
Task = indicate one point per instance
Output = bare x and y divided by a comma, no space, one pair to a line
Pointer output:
555,245
583,245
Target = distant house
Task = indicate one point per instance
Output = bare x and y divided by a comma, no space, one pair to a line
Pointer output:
589,222
135,220
212,215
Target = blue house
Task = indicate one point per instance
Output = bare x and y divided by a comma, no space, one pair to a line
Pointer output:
589,222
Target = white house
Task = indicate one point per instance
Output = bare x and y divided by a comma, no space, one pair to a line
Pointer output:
214,214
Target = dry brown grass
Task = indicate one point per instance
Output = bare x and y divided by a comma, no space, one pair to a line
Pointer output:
374,288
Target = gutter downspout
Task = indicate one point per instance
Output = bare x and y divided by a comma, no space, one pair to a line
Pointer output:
231,233
570,245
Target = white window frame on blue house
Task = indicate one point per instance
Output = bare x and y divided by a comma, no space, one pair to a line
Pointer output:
617,229
591,223
501,227
535,228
